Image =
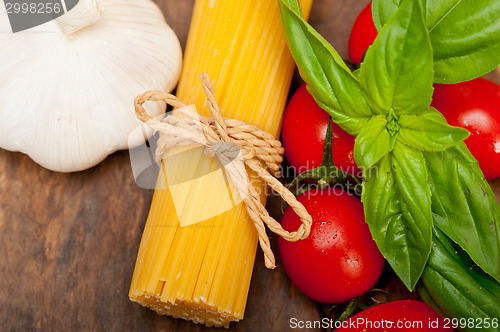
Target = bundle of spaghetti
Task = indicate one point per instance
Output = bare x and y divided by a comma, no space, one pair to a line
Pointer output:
201,272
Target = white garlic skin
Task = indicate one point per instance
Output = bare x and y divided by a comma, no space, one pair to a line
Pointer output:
67,101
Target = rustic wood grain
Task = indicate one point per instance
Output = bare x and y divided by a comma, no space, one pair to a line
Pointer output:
68,242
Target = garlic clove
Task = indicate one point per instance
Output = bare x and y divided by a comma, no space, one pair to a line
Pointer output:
66,93
84,14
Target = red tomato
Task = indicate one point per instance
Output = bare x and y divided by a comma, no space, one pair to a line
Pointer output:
339,259
475,106
363,34
405,315
304,132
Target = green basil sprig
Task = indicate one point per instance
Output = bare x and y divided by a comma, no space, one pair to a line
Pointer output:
465,34
386,109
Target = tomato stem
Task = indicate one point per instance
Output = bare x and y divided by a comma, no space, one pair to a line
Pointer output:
351,307
327,174
355,305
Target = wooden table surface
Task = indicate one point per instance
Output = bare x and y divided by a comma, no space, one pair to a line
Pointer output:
68,242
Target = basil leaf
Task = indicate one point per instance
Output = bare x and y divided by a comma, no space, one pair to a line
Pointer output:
328,78
397,71
372,143
457,286
464,207
396,200
465,35
426,133
427,298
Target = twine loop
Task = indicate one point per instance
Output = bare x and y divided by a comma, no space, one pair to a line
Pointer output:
225,138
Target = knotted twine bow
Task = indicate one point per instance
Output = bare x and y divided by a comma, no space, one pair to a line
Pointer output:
260,152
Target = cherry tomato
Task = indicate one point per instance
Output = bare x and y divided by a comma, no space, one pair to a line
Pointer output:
363,34
475,106
304,132
404,315
339,259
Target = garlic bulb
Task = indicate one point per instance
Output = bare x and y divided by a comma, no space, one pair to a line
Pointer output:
67,87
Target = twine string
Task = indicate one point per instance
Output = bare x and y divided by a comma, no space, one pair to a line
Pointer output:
224,138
